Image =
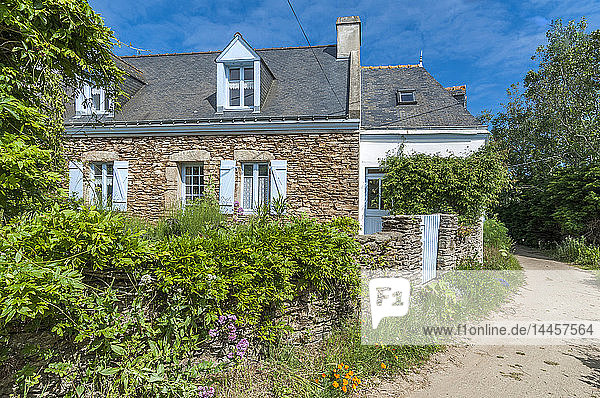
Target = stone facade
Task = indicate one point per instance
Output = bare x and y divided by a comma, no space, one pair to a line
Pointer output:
321,170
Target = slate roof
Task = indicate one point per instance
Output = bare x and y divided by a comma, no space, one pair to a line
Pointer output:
183,86
435,106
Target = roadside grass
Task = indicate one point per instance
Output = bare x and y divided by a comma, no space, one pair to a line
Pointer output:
310,371
577,252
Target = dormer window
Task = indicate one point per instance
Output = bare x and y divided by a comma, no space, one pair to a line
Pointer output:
92,101
238,77
404,97
241,86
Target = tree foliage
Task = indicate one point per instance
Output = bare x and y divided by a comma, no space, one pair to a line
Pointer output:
551,131
424,184
48,48
555,120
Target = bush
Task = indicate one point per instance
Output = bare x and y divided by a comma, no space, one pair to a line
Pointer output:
141,337
575,250
495,235
425,184
494,260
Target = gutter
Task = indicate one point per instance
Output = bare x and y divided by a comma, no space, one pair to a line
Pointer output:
255,125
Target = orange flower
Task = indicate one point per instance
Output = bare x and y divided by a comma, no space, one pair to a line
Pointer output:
358,381
351,373
340,366
345,382
316,380
344,389
324,375
337,376
335,384
383,365
346,367
354,386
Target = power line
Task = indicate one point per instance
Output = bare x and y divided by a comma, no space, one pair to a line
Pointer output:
315,55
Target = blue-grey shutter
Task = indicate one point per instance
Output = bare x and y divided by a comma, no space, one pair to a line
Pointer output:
227,186
76,179
278,179
120,177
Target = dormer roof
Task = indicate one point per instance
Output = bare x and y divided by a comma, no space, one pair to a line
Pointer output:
238,49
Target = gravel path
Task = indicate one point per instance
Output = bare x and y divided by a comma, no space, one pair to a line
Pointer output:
564,370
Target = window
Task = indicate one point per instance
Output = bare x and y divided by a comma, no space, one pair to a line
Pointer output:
102,180
255,185
406,97
374,194
92,100
192,177
241,87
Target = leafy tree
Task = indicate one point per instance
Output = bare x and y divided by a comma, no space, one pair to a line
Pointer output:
555,120
48,48
423,184
551,131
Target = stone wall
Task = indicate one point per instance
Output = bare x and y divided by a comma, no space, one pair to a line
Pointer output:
399,245
321,171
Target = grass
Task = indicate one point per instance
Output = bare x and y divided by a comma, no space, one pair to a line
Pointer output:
576,251
292,371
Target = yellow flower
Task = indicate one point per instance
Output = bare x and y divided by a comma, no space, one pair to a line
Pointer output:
396,357
354,386
344,389
358,381
340,366
335,384
337,376
345,382
383,365
346,367
351,373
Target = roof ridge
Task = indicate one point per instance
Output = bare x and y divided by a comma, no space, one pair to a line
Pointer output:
462,87
218,51
392,66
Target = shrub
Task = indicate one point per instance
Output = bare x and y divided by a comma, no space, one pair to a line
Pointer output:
425,184
495,235
575,250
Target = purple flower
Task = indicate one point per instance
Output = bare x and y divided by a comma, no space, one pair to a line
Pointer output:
232,317
213,332
242,347
232,336
222,319
206,392
230,355
232,327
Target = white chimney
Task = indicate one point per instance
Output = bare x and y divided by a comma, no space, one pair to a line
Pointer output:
348,35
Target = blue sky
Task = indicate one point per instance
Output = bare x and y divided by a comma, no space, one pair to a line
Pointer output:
485,44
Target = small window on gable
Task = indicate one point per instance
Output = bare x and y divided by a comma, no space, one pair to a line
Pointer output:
91,101
405,97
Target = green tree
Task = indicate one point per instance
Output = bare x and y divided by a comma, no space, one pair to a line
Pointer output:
555,120
48,48
551,130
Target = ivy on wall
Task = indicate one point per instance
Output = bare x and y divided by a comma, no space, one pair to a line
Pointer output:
425,184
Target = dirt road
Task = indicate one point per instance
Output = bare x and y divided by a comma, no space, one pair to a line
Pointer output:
564,370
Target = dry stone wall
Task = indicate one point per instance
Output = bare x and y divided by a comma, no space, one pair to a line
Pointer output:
321,171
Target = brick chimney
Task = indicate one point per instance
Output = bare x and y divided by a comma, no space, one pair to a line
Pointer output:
348,36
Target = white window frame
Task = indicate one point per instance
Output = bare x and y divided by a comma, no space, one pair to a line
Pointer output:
183,178
255,186
104,187
84,102
406,91
242,83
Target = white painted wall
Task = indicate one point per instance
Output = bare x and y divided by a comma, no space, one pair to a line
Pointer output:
376,144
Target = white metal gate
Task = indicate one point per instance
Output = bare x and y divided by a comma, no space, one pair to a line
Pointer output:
431,226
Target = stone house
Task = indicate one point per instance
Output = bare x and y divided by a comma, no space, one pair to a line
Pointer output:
308,124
